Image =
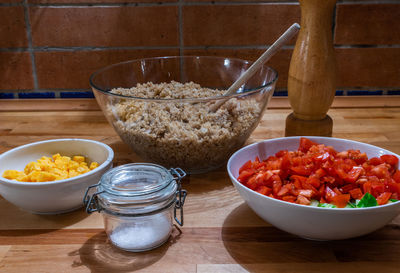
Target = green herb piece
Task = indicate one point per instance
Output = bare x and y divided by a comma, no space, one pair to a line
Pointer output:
350,205
326,205
367,201
393,200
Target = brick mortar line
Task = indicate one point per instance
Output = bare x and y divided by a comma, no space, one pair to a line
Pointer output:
368,2
11,5
243,3
334,15
89,48
30,43
212,3
155,4
366,46
180,27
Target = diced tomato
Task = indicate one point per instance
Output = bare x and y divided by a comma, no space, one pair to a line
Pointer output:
375,161
321,190
358,157
341,200
276,186
263,177
344,154
308,186
367,187
245,166
303,200
245,174
353,175
380,171
394,187
383,198
313,181
329,194
299,178
322,157
337,191
347,188
390,159
289,198
281,153
264,190
293,190
377,188
319,172
297,184
356,193
329,179
301,170
284,190
306,193
396,176
252,183
305,144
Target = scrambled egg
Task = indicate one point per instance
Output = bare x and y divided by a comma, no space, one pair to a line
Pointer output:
52,168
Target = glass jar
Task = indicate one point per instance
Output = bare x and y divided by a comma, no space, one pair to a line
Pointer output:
137,202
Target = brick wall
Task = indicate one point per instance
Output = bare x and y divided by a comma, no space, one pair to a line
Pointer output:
49,48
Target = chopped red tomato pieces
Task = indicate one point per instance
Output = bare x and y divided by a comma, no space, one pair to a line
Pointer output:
318,172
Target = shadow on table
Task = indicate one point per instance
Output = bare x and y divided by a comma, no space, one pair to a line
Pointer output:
17,219
254,247
261,243
99,255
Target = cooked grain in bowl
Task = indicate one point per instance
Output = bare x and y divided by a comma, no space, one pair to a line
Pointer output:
184,134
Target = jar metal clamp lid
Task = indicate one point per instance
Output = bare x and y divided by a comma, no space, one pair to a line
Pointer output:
138,189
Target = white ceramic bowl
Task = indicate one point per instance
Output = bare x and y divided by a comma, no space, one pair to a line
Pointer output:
55,196
306,221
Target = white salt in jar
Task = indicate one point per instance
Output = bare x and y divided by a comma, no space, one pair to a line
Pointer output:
137,202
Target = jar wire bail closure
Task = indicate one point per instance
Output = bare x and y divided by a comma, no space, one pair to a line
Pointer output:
91,202
178,174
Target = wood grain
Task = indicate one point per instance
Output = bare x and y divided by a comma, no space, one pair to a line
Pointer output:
3,251
43,105
221,233
247,249
368,267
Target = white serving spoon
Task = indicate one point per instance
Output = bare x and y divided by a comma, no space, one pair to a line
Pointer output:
275,47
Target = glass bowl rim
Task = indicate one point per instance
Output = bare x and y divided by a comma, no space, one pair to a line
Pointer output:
205,99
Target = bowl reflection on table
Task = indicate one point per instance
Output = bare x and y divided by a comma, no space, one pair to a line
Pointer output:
183,132
307,221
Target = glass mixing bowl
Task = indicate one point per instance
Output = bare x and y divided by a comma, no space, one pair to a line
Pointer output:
181,130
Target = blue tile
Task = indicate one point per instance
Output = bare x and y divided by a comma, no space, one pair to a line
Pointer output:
83,94
6,95
364,93
39,95
285,93
280,93
394,92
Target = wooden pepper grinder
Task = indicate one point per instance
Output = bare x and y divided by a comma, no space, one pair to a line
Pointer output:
312,72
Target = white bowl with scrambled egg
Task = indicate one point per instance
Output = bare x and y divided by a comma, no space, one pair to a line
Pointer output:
75,163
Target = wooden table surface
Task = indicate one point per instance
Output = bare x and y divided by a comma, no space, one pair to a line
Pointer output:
221,233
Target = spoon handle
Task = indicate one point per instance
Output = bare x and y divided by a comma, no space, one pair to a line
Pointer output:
286,36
